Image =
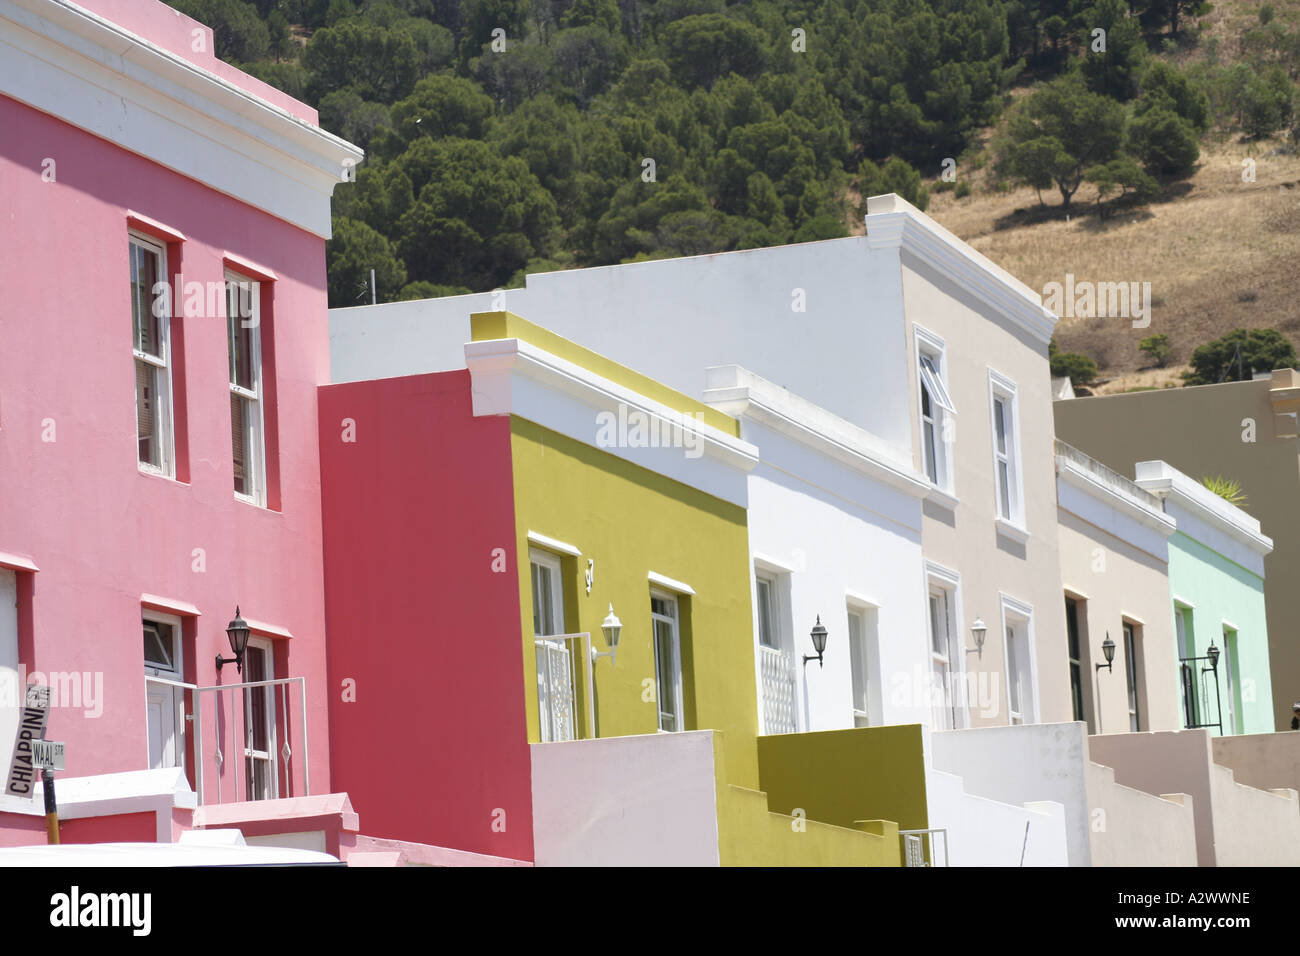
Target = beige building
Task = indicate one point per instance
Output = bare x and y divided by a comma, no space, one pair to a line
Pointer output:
1114,540
1241,430
983,435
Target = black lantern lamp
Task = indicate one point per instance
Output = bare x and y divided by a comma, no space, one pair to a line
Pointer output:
1107,648
1212,653
237,630
818,636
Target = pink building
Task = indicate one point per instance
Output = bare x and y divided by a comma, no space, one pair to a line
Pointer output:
158,459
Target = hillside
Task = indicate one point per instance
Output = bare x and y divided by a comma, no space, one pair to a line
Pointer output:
1099,138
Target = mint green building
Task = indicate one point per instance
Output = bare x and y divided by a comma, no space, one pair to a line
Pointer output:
1216,584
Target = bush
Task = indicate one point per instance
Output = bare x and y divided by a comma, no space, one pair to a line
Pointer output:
1081,370
1238,355
1158,347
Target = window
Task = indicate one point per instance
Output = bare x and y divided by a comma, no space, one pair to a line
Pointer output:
1017,630
1132,672
244,341
1186,666
10,672
1006,456
1231,676
668,661
864,662
555,678
936,406
941,658
260,779
769,634
163,700
151,345
1079,697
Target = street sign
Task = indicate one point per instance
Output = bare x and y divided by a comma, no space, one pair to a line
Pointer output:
21,781
48,754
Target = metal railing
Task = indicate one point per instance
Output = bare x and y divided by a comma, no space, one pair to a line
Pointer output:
230,733
778,691
1196,694
921,849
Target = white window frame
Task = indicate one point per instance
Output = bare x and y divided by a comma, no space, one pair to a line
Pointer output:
1003,389
556,640
1184,646
255,434
272,754
1018,616
175,673
948,582
1231,677
932,377
1132,677
675,668
773,585
166,419
864,661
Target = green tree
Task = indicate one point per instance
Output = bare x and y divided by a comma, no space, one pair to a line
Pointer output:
1114,72
1158,348
1238,355
1123,177
1079,368
238,33
1164,142
379,63
701,49
897,176
1059,133
350,254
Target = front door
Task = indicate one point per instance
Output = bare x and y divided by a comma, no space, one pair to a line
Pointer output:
162,662
262,782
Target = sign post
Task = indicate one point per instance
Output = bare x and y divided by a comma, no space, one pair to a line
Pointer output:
21,781
48,755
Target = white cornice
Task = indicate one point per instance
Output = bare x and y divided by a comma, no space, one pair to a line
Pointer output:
503,369
1163,480
740,393
75,65
893,223
1078,477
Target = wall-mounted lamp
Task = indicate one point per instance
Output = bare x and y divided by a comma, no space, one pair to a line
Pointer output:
237,630
611,627
1107,648
978,630
1212,653
818,636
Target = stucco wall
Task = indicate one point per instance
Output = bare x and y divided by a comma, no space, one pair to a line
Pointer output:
1112,581
647,800
842,534
965,538
1130,827
631,522
75,501
1214,430
983,832
1235,825
420,622
1221,592
1266,761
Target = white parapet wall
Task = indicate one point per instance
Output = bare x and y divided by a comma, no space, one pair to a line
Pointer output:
648,800
1050,762
984,832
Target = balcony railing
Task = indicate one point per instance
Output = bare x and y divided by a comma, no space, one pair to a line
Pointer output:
1195,679
777,689
249,722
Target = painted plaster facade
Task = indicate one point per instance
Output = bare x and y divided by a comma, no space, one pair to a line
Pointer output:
1241,430
1115,575
218,174
1216,580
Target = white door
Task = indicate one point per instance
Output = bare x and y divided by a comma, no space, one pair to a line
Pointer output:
10,692
555,697
262,781
162,659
